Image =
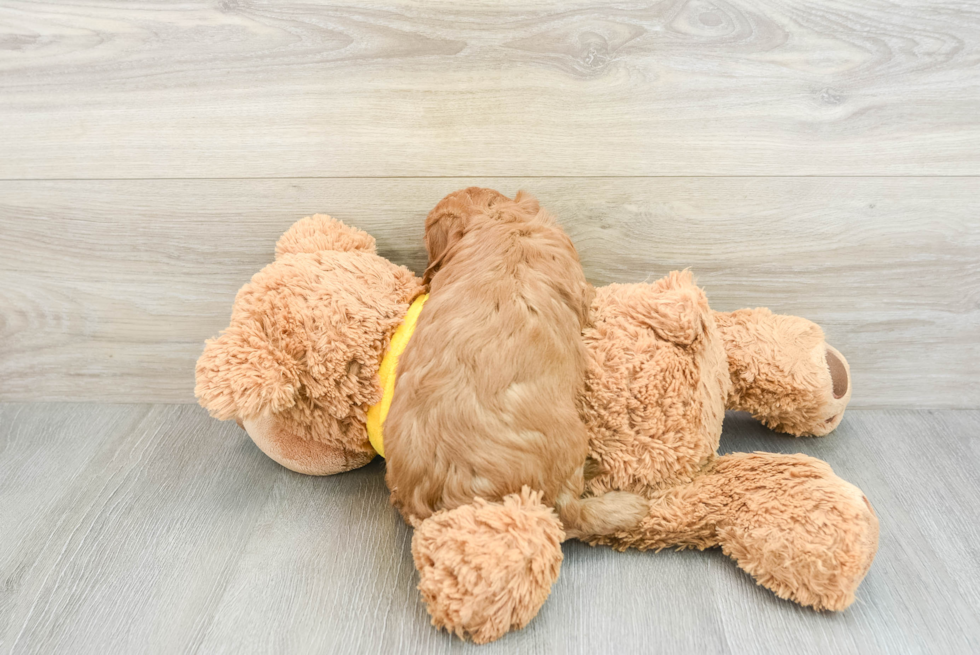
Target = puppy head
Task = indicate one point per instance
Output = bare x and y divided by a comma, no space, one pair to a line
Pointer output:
461,211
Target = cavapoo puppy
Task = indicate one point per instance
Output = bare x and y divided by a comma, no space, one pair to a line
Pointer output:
487,387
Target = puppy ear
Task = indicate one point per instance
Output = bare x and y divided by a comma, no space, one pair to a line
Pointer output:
430,271
455,213
435,245
442,231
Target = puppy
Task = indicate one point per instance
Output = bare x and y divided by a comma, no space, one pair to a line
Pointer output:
487,388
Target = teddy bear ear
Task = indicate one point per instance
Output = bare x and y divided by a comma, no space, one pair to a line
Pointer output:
321,232
240,375
673,307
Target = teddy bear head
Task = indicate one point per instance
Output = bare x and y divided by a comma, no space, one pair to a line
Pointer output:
297,366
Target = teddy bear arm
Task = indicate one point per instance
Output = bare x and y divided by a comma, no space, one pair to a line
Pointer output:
787,520
784,372
240,374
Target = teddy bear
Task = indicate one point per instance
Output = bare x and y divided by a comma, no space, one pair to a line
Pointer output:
304,367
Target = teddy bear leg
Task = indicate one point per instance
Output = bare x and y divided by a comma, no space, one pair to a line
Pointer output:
487,568
287,444
787,520
797,528
784,372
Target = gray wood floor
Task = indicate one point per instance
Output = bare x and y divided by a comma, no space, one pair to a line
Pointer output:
152,528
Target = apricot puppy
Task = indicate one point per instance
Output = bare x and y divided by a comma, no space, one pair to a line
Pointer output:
487,388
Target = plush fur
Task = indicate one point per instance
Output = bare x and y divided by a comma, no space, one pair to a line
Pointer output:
486,568
661,372
298,364
795,384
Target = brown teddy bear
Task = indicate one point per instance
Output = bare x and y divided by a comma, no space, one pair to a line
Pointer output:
298,368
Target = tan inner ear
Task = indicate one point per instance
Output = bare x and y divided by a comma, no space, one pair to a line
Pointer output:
838,374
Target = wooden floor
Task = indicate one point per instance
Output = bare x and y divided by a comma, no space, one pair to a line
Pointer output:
153,528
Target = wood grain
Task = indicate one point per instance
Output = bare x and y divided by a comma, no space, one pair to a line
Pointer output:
127,522
283,89
131,529
109,288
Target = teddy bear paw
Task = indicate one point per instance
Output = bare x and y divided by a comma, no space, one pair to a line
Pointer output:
834,392
486,568
806,398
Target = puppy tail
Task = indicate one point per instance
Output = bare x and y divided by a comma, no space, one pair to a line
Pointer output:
612,512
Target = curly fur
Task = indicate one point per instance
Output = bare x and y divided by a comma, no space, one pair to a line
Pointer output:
487,389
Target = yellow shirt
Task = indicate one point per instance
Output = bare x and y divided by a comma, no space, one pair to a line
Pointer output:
389,367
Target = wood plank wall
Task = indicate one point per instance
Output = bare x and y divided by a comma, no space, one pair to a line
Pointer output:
818,158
